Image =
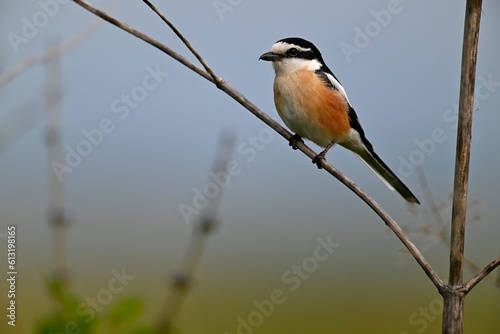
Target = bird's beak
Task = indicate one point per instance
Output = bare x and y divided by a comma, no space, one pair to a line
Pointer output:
269,56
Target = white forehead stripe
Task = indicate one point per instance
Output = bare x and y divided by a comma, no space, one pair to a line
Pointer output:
282,47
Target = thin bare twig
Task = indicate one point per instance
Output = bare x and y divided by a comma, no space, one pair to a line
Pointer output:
240,98
482,274
430,199
202,227
217,80
443,235
162,47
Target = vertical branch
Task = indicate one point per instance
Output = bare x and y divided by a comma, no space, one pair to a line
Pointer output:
201,229
56,210
453,297
469,56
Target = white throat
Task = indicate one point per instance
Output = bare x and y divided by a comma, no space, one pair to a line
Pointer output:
290,65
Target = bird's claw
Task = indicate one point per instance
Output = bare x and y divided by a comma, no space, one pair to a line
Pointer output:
294,140
318,159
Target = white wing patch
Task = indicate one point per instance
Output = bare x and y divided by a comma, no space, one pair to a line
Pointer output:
337,85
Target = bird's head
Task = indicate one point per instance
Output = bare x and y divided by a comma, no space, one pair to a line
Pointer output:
292,54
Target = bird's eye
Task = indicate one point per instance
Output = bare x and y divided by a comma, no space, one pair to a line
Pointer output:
292,52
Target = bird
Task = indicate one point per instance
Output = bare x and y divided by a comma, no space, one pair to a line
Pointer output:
313,104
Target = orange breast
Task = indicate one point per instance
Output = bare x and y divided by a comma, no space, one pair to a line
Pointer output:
310,108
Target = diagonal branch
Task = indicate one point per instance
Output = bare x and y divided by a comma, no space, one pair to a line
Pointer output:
217,80
482,274
145,38
236,95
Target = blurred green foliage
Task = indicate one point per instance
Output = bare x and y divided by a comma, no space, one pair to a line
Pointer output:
65,317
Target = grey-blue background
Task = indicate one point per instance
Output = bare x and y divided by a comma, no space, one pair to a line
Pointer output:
124,197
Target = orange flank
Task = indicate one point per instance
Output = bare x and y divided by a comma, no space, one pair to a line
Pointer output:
318,113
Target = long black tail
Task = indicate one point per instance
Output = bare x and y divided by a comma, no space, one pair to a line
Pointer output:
385,174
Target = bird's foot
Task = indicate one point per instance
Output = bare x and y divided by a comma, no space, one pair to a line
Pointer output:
294,140
318,159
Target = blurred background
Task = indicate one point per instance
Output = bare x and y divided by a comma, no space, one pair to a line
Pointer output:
140,131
